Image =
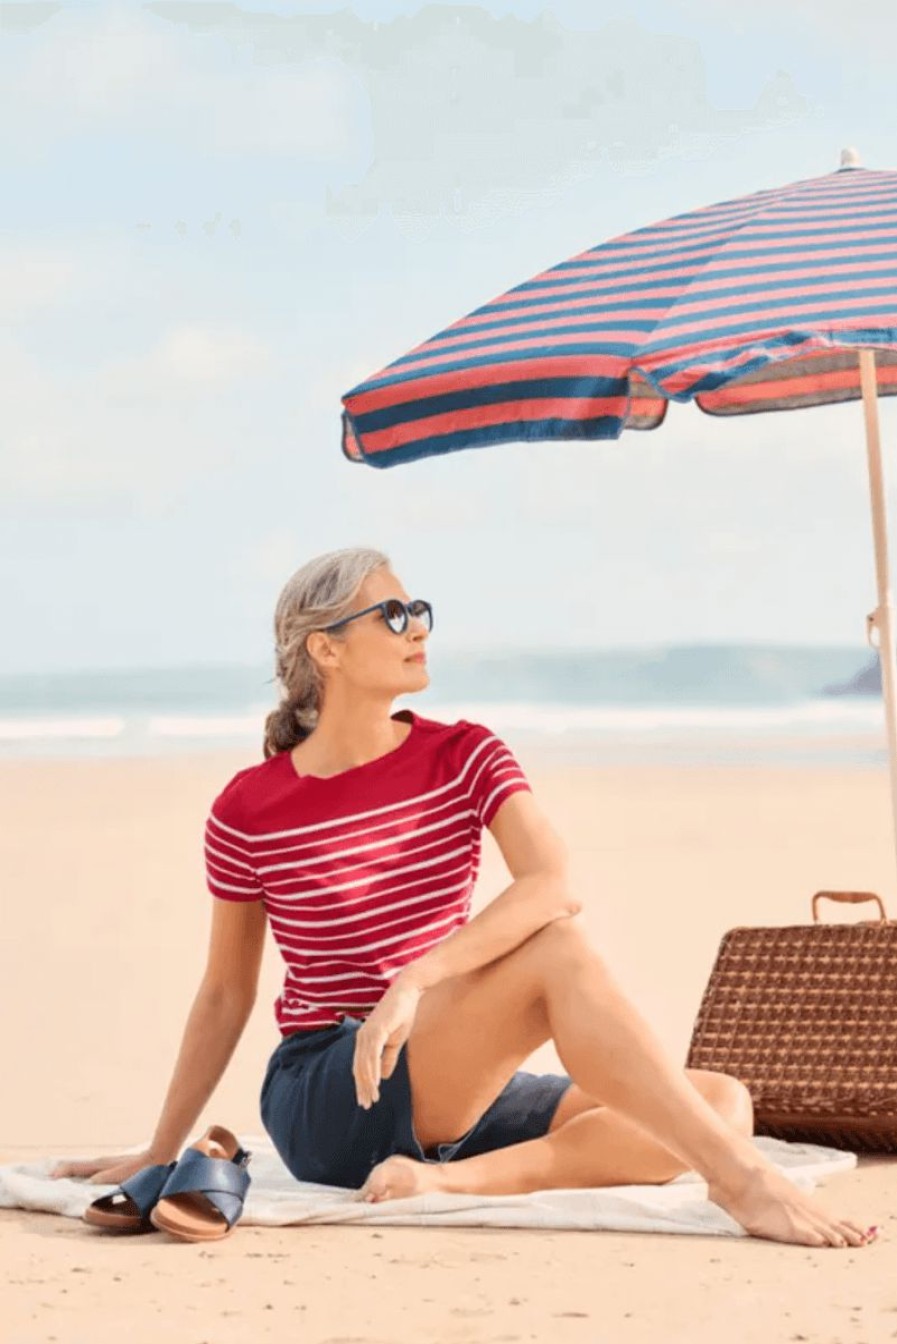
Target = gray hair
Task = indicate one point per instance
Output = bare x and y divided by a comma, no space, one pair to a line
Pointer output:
322,591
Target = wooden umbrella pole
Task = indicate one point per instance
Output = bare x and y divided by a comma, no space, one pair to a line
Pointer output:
882,619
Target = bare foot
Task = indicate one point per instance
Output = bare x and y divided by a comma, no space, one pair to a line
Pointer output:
398,1177
768,1205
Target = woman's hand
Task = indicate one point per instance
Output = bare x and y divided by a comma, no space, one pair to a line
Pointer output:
104,1170
380,1038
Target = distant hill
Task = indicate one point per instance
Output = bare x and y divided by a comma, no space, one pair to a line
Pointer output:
865,682
682,674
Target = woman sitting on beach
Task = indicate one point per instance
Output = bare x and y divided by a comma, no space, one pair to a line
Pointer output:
403,1021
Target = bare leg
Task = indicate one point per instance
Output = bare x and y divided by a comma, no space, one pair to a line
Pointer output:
597,1148
603,1041
610,1051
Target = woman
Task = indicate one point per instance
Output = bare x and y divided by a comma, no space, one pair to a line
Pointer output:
403,1020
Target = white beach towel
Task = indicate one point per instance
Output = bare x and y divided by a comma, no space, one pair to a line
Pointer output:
276,1199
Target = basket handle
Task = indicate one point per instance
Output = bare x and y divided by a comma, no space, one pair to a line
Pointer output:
850,896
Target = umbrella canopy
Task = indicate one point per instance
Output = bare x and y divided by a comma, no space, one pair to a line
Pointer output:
779,300
754,304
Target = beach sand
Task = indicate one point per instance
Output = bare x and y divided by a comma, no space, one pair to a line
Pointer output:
104,941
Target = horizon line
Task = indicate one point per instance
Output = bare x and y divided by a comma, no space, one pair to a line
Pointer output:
463,650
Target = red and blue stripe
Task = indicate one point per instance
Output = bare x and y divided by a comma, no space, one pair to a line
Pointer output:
749,305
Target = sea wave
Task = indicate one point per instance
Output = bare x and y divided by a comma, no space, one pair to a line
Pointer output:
833,716
205,726
149,732
71,728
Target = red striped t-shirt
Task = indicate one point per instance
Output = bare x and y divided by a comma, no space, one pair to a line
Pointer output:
364,871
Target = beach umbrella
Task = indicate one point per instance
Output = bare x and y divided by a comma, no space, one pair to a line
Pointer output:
781,299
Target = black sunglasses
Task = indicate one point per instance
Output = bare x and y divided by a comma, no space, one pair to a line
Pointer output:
395,614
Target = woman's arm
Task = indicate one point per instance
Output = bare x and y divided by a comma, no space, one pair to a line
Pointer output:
537,860
220,1011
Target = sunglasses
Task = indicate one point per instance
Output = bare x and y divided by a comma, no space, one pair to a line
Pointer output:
395,613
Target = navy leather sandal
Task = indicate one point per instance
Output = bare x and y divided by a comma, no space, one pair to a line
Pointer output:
127,1209
202,1200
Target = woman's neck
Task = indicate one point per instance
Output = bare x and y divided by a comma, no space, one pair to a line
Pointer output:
343,741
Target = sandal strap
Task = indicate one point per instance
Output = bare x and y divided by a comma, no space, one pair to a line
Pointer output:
144,1186
223,1182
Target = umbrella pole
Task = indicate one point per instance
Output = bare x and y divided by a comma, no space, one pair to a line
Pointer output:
882,619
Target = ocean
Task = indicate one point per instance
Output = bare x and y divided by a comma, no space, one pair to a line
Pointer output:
679,703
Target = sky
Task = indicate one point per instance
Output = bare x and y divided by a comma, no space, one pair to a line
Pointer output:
219,217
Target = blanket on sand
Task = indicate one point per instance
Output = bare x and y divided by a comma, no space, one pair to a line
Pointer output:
277,1199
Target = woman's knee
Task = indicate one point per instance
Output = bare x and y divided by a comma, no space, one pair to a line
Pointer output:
563,940
728,1096
572,927
549,953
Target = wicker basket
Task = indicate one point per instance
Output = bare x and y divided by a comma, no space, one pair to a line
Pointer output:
806,1016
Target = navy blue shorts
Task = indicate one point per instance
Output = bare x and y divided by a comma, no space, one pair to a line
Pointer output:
310,1111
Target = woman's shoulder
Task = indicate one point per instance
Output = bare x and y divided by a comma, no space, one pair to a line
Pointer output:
461,732
233,802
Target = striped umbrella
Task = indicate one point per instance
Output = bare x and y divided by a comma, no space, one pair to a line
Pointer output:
774,301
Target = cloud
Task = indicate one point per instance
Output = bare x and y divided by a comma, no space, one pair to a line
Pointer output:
131,433
128,73
812,19
187,360
451,111
32,278
24,17
471,110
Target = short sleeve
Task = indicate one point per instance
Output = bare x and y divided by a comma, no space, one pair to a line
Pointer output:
230,874
494,773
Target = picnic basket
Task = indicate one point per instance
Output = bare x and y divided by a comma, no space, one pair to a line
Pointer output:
806,1016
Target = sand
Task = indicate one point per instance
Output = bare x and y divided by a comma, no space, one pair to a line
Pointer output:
104,941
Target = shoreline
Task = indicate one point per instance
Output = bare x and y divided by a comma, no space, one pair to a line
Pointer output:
697,747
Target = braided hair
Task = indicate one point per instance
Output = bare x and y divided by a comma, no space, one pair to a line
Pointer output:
322,591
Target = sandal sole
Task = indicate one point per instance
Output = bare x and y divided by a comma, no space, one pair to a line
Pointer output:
110,1224
191,1233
